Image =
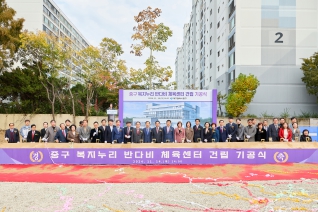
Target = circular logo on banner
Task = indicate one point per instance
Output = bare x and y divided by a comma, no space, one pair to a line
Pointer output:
36,157
281,157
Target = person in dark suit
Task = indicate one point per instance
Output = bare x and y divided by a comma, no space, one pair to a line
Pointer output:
157,133
261,133
33,135
118,133
147,133
273,130
215,133
198,131
12,134
137,133
168,132
43,131
96,133
207,133
231,129
103,136
67,124
128,132
222,132
61,134
109,131
305,136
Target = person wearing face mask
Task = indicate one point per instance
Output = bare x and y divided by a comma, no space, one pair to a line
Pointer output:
51,132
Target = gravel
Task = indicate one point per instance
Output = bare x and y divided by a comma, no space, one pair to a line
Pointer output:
225,196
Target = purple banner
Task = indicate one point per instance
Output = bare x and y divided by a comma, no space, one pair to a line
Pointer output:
155,156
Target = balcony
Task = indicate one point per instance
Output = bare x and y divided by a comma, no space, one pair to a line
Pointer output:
231,46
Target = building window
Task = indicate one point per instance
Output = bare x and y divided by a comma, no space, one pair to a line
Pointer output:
211,39
210,51
211,25
211,12
218,25
232,42
218,68
218,82
219,39
219,10
210,65
210,79
222,50
218,53
223,19
232,60
232,23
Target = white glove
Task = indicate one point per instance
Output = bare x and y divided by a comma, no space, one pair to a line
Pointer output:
285,140
25,137
237,138
94,134
105,141
7,139
205,140
248,136
128,136
189,141
175,141
230,136
44,139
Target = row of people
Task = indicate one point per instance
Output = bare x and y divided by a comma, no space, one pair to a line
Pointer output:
109,133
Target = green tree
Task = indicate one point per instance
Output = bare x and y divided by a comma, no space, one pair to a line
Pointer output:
242,93
47,55
23,94
151,36
10,30
310,71
221,97
101,67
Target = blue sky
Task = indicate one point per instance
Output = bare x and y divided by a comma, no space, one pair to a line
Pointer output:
135,109
96,19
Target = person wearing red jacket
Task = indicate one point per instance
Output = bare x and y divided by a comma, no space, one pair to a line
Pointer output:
285,134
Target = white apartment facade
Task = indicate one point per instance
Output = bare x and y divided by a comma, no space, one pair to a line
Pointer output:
47,16
266,38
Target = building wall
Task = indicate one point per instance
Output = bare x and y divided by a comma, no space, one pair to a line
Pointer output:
258,24
31,11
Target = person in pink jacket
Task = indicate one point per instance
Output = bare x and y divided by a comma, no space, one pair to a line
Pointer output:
179,133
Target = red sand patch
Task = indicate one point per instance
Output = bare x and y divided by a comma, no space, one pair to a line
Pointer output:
155,174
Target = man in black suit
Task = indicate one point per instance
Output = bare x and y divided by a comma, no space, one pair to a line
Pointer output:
95,133
157,133
128,132
67,124
43,131
198,131
273,130
231,129
103,136
33,135
12,135
109,131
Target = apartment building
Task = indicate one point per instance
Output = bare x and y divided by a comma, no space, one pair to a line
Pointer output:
266,38
47,16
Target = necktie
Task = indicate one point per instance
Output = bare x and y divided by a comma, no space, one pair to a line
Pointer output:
221,129
147,131
96,130
32,135
64,133
118,129
137,131
276,127
157,130
128,131
11,130
168,129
